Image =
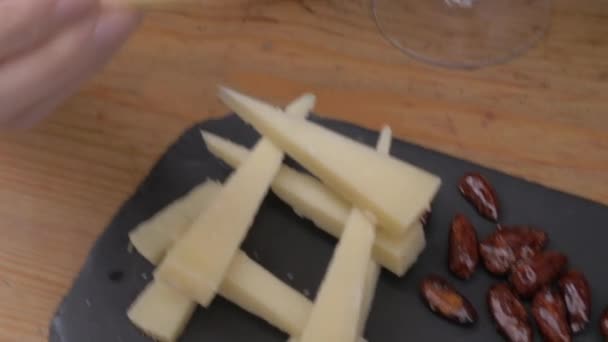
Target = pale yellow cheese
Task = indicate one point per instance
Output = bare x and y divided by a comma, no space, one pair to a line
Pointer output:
152,237
337,309
397,193
344,299
371,280
312,199
197,263
161,312
258,291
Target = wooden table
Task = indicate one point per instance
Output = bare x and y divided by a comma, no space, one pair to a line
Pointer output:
543,116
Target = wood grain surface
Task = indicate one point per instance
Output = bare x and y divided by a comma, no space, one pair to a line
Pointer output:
543,116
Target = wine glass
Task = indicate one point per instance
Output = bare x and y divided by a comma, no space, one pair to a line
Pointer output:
463,33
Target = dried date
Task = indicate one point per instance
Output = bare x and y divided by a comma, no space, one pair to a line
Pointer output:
444,300
604,324
577,296
549,311
509,314
501,250
479,192
529,275
463,247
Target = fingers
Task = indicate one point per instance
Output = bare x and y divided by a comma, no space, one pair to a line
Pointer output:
57,68
27,23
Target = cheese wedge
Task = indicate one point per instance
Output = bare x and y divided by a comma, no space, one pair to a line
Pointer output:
337,310
396,192
197,263
344,299
373,270
371,281
161,312
313,200
152,237
259,292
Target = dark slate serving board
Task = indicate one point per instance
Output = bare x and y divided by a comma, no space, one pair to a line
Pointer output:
297,252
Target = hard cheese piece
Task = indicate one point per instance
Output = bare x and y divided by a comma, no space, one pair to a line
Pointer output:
152,237
371,280
197,263
373,270
336,313
312,199
256,290
396,192
161,312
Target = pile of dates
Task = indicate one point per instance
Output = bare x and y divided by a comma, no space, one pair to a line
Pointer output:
560,297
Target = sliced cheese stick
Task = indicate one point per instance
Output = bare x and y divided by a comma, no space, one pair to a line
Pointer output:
312,199
152,237
371,281
396,192
373,270
197,263
342,307
338,307
163,312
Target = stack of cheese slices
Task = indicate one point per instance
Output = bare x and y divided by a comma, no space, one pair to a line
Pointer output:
370,201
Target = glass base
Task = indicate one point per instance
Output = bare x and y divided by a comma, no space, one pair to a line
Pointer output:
463,33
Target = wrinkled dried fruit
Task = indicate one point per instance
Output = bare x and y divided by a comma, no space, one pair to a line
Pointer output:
444,300
477,190
529,275
463,255
509,314
577,296
508,244
549,311
604,324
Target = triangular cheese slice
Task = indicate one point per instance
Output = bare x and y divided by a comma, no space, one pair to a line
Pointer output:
396,192
337,309
342,304
313,200
152,237
196,265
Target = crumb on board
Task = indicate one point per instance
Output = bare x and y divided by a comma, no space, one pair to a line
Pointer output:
144,276
289,276
130,248
87,302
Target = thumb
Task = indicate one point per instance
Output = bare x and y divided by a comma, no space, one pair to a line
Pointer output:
27,23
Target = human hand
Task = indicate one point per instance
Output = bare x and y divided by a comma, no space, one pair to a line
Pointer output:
48,48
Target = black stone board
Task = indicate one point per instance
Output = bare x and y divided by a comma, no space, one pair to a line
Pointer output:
297,252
